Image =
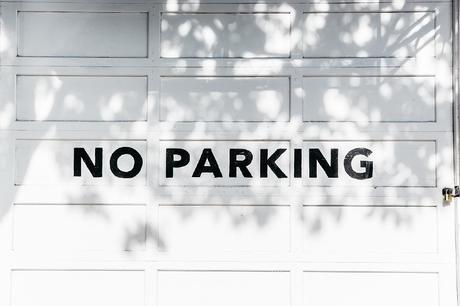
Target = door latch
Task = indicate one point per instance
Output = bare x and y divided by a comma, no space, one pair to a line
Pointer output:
449,194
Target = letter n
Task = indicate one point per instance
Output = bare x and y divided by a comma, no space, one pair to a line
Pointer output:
95,168
316,157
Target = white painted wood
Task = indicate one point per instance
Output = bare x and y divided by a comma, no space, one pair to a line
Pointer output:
186,229
369,34
50,162
81,98
75,288
369,98
229,35
361,288
89,227
225,288
362,256
224,99
374,229
82,34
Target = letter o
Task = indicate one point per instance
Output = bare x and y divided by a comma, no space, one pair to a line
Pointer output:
136,167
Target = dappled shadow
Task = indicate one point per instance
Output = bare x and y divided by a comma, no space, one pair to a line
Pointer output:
291,102
225,35
102,98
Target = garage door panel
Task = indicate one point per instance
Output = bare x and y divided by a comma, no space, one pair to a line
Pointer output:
77,287
369,230
81,98
369,34
226,288
99,34
205,35
364,288
214,229
76,227
369,98
225,99
50,162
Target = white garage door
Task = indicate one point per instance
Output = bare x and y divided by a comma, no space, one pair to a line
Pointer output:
226,154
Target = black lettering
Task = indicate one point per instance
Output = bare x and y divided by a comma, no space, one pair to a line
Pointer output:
297,162
136,167
171,163
266,162
213,167
243,164
316,157
95,168
368,166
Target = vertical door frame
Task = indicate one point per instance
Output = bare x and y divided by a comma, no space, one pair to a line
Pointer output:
456,126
